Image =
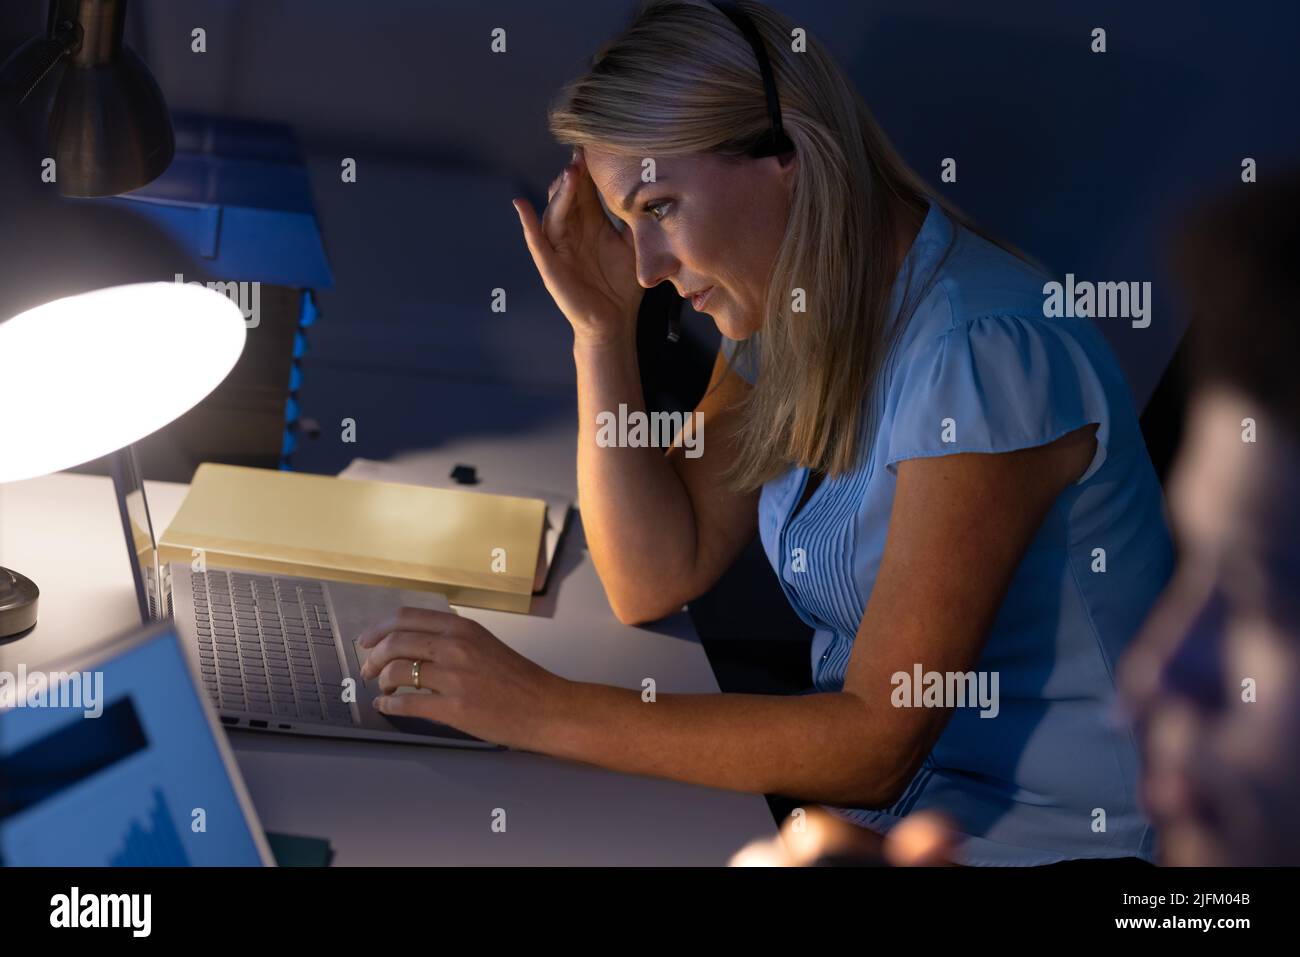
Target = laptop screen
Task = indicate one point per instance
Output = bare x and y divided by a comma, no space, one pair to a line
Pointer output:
120,765
152,580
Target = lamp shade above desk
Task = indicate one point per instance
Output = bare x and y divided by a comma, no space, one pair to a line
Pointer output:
83,376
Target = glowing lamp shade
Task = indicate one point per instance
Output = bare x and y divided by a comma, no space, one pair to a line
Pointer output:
84,376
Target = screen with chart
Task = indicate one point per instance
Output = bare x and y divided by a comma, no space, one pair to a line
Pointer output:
141,784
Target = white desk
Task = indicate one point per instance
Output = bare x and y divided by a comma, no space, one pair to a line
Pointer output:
407,804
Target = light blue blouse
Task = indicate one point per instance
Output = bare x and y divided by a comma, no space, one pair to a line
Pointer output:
1053,775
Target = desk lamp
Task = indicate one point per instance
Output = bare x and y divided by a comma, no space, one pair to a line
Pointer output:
94,106
86,375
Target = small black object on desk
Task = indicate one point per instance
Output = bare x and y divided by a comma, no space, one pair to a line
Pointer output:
464,475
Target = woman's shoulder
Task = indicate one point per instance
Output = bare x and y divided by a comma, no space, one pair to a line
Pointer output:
978,291
972,278
981,368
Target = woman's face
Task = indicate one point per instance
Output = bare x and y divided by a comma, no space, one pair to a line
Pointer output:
1214,679
709,225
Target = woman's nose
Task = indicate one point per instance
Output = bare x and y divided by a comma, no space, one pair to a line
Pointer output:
653,266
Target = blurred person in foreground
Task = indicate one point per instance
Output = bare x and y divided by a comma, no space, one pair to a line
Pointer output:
1213,682
814,837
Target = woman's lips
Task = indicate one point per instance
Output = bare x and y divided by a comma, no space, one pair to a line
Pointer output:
700,298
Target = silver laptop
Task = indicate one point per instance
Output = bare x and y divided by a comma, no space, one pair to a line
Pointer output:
276,653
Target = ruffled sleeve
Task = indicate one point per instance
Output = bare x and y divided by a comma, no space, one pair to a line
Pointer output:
995,384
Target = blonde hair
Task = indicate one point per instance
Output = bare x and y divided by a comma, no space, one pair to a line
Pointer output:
682,79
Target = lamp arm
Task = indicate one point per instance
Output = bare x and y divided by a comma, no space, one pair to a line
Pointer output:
31,62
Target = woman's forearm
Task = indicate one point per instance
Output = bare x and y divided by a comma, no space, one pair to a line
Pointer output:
813,747
635,511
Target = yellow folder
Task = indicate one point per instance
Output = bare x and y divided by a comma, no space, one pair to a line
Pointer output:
477,549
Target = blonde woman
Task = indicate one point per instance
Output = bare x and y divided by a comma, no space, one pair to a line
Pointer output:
951,487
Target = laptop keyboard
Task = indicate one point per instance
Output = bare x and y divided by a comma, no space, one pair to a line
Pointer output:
266,647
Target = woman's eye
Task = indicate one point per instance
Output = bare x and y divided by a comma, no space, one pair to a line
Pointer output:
657,208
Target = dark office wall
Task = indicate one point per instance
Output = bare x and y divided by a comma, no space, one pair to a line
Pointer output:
1079,158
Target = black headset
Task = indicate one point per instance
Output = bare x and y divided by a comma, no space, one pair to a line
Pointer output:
775,141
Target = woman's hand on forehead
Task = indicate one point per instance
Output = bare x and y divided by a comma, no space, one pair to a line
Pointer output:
587,265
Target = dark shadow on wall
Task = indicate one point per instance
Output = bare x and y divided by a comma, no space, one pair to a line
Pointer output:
52,246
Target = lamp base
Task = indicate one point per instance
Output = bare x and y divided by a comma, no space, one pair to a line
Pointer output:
18,599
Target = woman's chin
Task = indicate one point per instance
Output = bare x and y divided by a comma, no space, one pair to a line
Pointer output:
732,330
